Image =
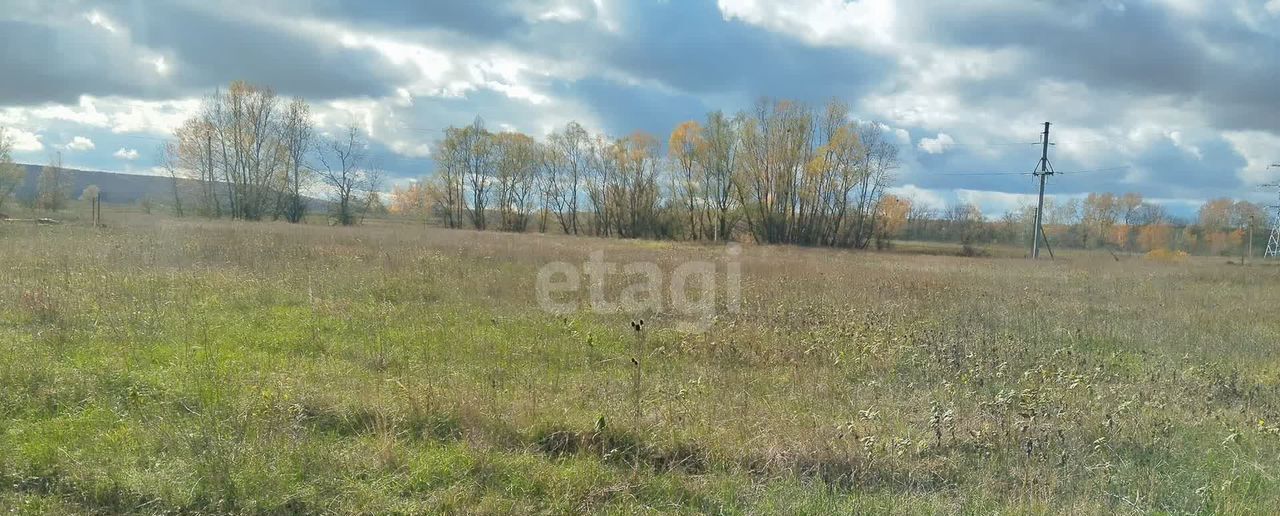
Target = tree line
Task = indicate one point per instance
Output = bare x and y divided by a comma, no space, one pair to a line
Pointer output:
782,173
249,154
53,186
1126,223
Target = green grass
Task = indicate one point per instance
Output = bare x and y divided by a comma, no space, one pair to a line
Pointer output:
167,366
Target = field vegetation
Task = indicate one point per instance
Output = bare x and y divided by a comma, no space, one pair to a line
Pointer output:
167,365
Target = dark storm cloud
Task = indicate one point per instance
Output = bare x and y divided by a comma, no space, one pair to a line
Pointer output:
626,109
203,49
690,47
1139,50
43,64
214,48
1173,171
480,19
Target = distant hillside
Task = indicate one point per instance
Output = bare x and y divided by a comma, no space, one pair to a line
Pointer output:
121,188
116,188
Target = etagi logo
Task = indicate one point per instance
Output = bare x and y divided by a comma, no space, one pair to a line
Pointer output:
691,289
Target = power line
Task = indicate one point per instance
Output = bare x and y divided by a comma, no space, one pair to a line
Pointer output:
986,174
986,144
1086,142
1095,170
1072,172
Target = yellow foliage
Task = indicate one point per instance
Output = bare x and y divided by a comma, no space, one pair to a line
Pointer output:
1154,237
892,216
415,199
1119,235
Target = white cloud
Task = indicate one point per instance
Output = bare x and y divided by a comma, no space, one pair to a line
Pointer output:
936,145
1259,151
97,19
80,143
868,24
120,115
1273,7
563,13
930,198
994,203
156,117
126,154
1187,8
1182,142
438,70
85,113
24,141
162,67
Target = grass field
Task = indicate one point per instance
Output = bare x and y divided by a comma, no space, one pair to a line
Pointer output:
164,366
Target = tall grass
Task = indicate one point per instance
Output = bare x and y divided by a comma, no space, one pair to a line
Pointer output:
181,366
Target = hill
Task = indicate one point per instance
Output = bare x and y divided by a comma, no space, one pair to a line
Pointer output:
123,188
116,187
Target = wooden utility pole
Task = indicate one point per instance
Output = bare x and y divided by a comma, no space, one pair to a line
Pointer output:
1042,171
1248,243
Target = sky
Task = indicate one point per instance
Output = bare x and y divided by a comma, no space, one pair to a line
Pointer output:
1178,100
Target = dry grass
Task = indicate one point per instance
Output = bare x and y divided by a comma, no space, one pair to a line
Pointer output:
164,365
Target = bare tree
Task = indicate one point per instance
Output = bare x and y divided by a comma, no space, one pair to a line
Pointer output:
515,168
235,145
447,184
195,159
350,184
719,160
572,151
551,169
595,163
476,150
296,136
54,187
967,225
11,174
881,161
685,147
169,160
1151,214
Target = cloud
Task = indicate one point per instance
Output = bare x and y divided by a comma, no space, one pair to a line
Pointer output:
1260,152
119,115
126,154
168,49
24,141
80,143
929,198
936,145
1179,92
994,203
863,23
97,19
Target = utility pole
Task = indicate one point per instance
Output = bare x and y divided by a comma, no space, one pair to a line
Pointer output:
1243,260
1042,171
1273,243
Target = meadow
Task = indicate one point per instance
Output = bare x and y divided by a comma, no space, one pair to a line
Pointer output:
185,366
